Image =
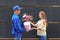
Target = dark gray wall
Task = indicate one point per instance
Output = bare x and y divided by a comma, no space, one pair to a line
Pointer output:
31,7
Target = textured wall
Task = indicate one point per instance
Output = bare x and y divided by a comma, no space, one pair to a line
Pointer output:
31,7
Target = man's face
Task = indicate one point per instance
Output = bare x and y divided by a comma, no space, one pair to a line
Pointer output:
18,11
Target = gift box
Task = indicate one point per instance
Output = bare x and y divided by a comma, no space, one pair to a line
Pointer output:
27,26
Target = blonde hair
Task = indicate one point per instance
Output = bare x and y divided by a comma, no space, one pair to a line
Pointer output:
44,17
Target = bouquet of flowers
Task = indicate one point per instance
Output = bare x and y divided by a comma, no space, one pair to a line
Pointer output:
27,19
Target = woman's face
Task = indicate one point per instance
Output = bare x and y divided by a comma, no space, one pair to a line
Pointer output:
40,15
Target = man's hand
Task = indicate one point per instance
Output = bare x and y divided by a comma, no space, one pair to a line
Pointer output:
27,30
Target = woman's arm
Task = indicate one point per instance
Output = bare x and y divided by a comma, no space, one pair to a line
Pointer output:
33,24
37,29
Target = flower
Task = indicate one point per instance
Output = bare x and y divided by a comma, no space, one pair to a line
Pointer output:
27,17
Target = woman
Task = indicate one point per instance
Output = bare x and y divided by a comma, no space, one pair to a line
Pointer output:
41,26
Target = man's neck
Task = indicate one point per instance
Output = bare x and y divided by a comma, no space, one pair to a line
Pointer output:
15,13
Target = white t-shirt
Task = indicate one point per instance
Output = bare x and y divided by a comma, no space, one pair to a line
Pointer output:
27,25
42,26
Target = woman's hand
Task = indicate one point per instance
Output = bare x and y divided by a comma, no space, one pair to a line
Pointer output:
30,22
34,28
33,24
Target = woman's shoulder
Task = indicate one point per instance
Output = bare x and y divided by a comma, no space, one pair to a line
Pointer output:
38,21
41,20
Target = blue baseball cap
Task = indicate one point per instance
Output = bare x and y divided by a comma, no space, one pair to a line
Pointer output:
17,7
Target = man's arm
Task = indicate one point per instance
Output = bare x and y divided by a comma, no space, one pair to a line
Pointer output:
18,25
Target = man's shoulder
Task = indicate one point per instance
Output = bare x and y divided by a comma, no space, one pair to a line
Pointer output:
14,17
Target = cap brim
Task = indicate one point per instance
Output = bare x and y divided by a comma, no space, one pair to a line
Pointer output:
20,8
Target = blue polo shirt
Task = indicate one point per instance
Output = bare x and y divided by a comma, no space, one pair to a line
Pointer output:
17,26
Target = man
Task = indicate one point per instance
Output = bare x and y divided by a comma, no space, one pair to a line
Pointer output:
16,23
